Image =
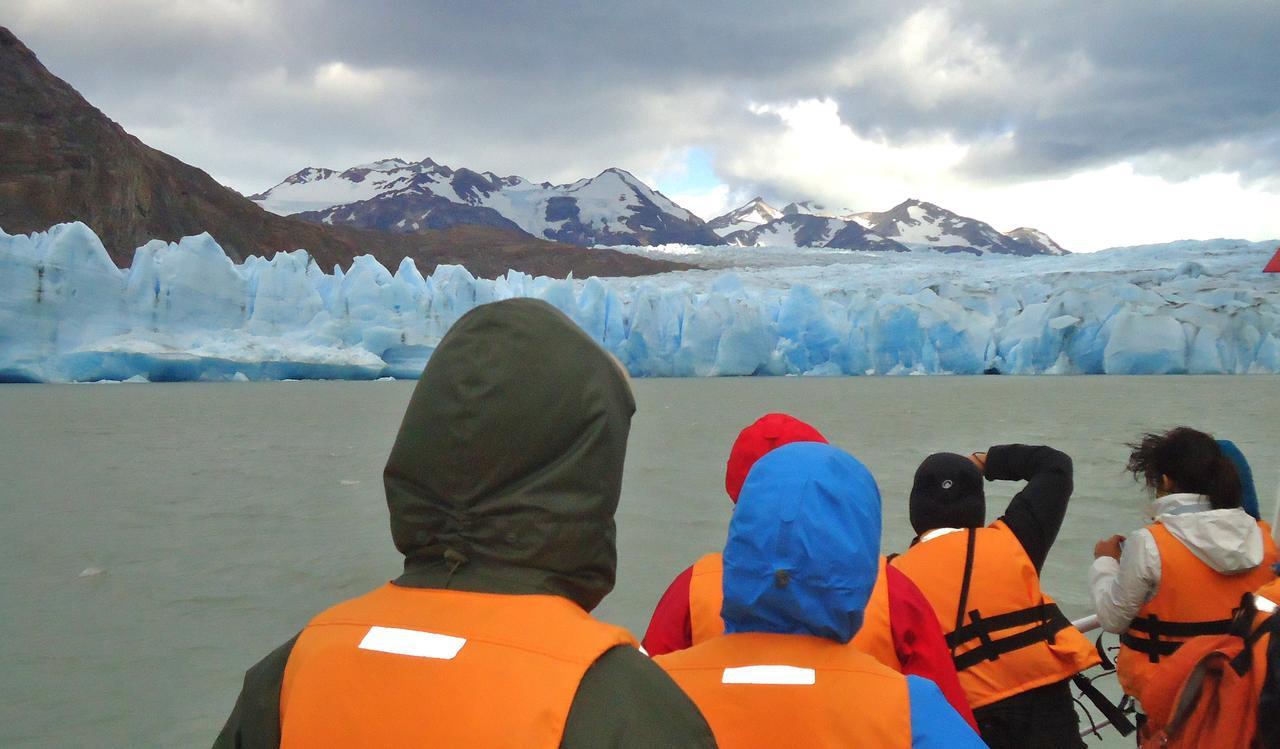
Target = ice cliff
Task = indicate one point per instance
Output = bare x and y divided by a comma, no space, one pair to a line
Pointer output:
185,311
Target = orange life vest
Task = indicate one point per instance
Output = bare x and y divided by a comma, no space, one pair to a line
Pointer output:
420,667
770,690
706,597
1006,635
1210,692
1271,591
1192,600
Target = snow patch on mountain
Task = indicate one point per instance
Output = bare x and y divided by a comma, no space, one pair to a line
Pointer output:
803,230
755,213
808,208
1036,238
916,223
393,195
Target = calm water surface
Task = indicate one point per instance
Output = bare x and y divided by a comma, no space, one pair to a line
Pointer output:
158,539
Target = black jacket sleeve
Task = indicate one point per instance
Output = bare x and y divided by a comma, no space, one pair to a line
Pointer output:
1034,514
254,722
626,700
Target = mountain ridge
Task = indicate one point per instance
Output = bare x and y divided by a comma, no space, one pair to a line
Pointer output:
63,160
614,207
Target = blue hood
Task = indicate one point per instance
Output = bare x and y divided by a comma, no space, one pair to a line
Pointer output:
1248,490
804,544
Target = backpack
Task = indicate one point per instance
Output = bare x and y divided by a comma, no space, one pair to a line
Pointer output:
1207,693
1269,700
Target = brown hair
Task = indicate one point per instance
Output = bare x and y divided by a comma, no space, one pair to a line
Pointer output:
1193,462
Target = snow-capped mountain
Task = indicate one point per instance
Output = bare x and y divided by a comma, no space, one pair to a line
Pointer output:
912,224
916,223
754,213
803,230
614,208
611,208
808,208
1036,238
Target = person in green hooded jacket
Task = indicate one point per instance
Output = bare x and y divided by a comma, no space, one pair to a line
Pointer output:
502,487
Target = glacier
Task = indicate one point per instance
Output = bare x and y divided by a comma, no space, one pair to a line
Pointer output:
184,311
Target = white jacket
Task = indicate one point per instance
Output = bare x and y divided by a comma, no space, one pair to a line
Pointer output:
1229,541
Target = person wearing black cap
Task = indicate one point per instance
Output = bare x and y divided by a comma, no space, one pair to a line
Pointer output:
1014,650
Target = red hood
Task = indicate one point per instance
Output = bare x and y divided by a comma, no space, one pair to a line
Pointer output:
767,433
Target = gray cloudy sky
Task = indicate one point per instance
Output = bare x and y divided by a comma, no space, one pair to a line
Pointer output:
1101,123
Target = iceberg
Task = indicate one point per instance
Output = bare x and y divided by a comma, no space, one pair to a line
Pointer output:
185,311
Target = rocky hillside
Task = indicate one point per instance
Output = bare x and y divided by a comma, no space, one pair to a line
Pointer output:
61,159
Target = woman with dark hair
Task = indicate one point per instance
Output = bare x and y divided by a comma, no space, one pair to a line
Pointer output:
1184,574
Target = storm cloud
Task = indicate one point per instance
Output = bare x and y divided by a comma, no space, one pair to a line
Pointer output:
252,91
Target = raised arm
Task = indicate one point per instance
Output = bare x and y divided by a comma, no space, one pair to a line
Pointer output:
1034,514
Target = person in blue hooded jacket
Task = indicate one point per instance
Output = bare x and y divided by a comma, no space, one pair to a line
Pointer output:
799,566
1248,490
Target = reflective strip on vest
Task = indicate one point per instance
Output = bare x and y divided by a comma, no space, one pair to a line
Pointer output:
1196,601
706,597
1011,637
769,675
412,642
421,667
793,690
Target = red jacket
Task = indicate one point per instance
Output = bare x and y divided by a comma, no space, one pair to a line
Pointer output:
917,636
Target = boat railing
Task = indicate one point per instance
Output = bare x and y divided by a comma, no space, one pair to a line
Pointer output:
1089,624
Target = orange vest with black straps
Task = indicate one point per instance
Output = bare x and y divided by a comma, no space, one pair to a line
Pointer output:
1192,600
1008,637
771,690
706,596
422,667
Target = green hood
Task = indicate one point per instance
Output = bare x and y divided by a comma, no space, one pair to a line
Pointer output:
507,469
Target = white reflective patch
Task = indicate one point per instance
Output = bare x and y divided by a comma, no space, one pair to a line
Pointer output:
412,642
769,675
1265,605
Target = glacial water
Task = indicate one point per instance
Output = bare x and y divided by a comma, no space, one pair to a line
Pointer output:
158,539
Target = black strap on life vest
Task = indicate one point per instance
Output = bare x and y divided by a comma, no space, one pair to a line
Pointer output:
1155,628
1047,618
1242,626
966,576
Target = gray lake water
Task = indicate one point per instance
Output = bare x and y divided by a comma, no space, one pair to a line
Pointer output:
158,539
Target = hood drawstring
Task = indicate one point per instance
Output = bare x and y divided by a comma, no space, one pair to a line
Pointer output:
454,559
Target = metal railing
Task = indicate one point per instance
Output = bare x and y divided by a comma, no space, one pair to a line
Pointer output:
1089,624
